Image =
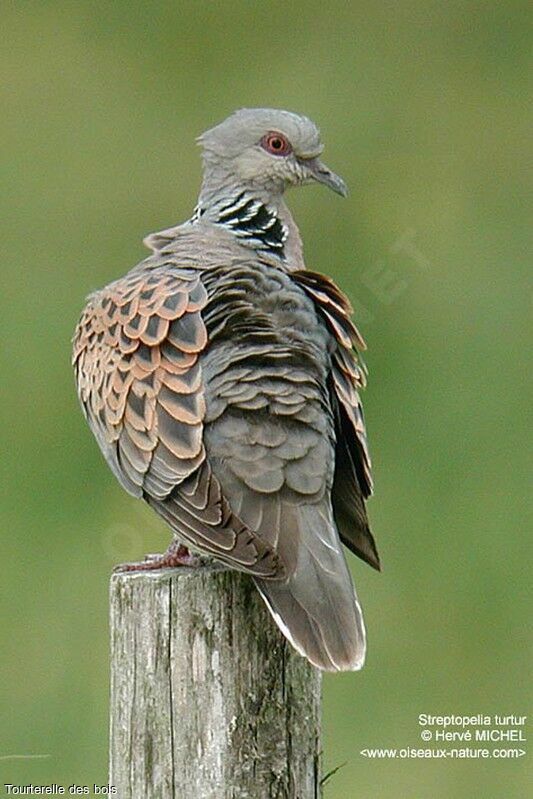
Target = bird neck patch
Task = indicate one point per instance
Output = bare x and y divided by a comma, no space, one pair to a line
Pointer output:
252,221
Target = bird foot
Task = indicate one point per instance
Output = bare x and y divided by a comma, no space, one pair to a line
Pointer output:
176,555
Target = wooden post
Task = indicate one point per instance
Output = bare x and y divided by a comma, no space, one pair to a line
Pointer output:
208,700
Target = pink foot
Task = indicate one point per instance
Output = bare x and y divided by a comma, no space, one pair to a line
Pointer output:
176,555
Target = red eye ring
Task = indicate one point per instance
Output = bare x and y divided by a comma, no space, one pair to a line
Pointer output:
276,143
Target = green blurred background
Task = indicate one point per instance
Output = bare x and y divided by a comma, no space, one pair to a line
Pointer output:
422,108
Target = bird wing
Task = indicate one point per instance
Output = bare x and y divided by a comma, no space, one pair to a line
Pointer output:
136,358
353,469
270,440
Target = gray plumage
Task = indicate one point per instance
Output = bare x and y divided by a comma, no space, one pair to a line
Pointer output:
221,381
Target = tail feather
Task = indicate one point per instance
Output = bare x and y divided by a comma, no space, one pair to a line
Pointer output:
316,607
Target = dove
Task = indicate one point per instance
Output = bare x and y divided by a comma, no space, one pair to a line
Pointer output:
221,379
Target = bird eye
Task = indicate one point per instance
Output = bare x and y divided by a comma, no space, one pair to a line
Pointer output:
276,144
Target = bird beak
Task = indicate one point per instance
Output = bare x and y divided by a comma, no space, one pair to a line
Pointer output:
322,174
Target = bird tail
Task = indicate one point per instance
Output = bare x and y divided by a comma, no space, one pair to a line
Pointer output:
316,607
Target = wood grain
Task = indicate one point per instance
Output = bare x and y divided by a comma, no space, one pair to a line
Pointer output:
208,700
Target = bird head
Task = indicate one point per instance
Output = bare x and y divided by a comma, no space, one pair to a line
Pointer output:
267,150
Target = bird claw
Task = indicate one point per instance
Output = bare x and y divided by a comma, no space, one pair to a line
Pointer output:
176,555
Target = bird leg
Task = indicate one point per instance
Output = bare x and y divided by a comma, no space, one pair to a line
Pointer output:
176,555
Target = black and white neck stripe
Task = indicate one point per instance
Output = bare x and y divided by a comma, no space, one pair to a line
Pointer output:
253,221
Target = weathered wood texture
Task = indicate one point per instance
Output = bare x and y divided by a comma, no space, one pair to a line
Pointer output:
208,700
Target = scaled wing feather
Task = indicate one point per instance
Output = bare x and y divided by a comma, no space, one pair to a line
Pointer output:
136,358
353,475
